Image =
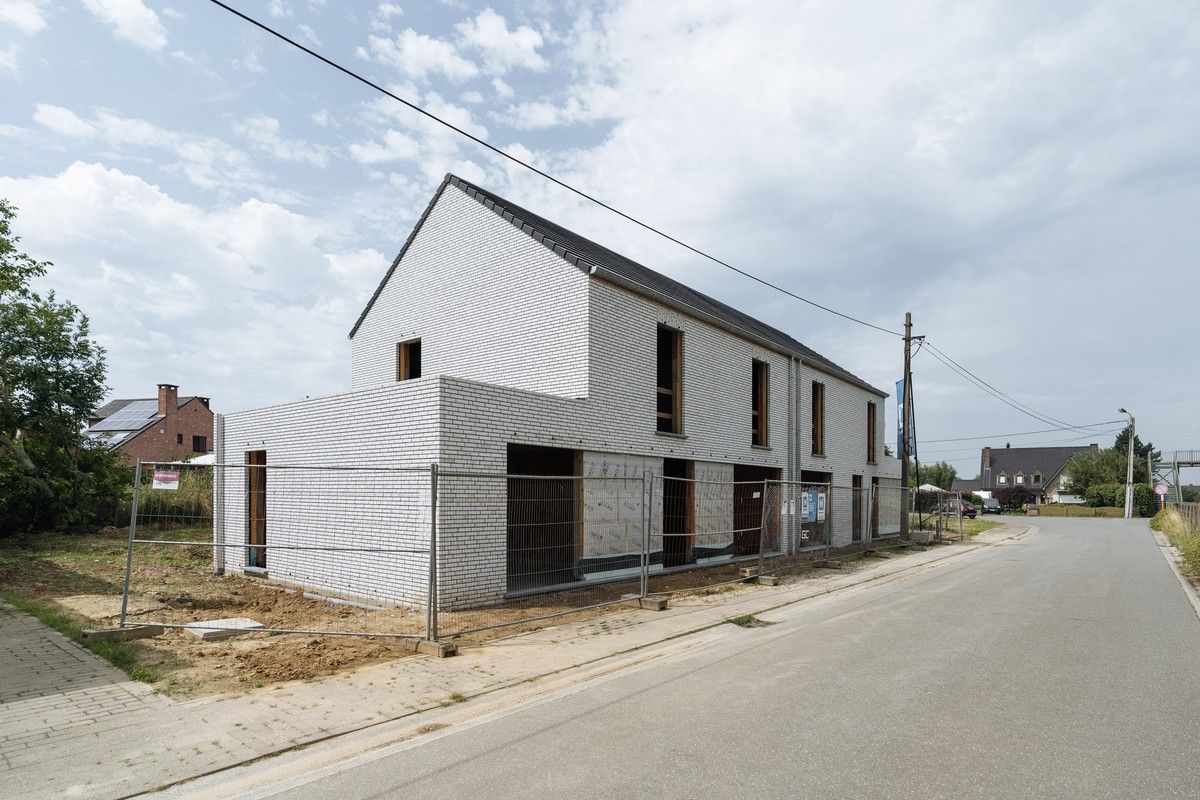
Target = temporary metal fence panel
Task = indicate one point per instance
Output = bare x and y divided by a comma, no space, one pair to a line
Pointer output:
710,529
515,549
302,548
424,552
889,507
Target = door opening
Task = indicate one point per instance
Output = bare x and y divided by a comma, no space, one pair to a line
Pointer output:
256,509
544,519
679,521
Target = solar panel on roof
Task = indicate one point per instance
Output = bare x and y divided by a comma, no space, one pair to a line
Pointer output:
134,416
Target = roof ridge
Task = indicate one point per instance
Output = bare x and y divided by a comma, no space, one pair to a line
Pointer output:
623,271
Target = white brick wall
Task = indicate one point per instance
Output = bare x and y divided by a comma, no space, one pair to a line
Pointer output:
370,508
518,346
845,442
488,303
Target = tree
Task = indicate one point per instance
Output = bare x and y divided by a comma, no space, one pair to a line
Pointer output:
941,474
1013,498
1141,472
51,379
1093,468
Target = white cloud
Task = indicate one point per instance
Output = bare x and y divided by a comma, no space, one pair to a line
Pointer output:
502,49
309,34
420,57
206,161
61,120
263,133
585,104
8,57
279,9
394,147
132,21
250,62
389,10
473,97
256,286
503,90
27,16
322,118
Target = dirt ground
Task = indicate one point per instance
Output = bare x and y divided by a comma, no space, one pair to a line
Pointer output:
82,576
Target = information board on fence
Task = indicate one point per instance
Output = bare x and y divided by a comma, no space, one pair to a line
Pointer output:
165,479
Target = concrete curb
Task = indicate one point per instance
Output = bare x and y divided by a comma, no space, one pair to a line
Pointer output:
1173,557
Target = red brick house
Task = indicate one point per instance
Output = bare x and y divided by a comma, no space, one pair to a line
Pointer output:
164,429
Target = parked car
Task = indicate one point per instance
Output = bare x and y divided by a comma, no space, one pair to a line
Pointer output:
954,507
990,505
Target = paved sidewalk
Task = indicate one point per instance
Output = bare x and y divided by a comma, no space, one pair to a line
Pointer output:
72,726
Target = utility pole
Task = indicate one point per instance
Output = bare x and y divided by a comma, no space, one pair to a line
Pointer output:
905,419
1129,467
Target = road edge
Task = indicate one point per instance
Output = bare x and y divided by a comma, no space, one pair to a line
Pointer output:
1173,557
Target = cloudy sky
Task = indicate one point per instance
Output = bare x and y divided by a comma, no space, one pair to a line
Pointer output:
1022,176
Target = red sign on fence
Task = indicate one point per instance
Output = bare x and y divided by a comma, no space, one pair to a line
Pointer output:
165,479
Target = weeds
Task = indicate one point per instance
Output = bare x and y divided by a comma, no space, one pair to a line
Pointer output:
1170,522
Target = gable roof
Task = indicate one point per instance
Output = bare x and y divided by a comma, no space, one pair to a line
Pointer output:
1049,461
118,421
606,264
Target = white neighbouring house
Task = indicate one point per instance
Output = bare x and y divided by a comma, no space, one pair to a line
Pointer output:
499,342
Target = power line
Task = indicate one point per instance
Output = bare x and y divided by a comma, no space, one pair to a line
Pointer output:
493,148
1025,409
1096,434
966,374
1021,433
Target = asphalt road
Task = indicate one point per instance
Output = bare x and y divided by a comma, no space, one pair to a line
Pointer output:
1061,665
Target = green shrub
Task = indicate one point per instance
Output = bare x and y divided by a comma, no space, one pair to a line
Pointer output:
1111,495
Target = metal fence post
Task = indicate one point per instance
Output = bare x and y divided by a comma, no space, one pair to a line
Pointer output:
960,525
431,619
647,501
762,529
133,512
870,513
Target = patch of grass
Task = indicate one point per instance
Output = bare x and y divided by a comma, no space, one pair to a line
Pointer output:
1076,510
455,698
120,654
748,621
1170,522
970,527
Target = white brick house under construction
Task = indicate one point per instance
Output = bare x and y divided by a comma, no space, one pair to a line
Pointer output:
499,342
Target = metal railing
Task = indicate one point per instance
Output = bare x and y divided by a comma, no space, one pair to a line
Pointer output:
427,553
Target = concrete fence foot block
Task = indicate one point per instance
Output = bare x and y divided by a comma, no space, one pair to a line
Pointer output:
435,649
122,634
748,572
768,580
648,603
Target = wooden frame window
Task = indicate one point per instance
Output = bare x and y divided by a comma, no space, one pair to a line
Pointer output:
818,419
408,360
669,369
871,419
199,444
759,391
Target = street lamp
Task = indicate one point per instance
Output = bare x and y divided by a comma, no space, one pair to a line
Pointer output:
1129,468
